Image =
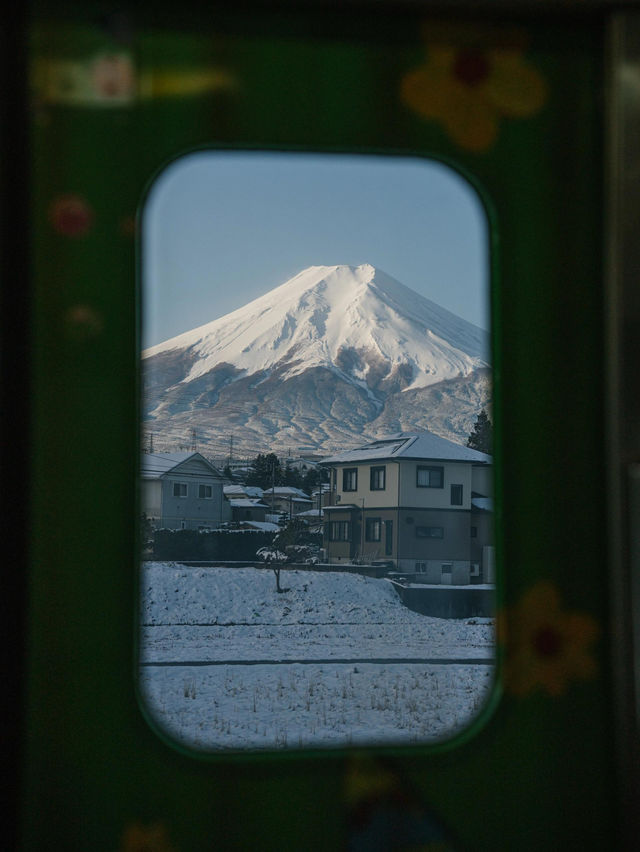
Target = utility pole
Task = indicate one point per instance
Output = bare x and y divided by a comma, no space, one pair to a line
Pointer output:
194,441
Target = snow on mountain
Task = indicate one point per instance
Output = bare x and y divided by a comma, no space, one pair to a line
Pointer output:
324,311
267,367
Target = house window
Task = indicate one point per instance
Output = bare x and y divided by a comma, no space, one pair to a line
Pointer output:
474,532
350,479
447,568
179,489
456,495
421,567
429,532
340,531
372,529
377,479
429,477
205,492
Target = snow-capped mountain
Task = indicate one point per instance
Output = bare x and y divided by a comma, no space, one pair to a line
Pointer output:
335,354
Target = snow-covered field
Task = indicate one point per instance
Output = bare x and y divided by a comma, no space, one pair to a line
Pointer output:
227,663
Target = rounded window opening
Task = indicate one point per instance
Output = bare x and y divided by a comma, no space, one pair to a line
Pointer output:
316,475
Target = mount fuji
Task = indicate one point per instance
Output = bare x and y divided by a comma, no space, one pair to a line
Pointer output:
334,356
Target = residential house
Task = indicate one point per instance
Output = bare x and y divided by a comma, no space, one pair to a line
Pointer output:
417,501
182,491
247,509
287,499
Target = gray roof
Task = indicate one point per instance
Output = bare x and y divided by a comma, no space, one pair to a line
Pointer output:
243,490
285,491
155,465
485,504
246,503
410,445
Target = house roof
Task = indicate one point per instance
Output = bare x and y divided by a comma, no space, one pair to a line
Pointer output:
246,503
286,491
243,491
410,445
485,504
156,465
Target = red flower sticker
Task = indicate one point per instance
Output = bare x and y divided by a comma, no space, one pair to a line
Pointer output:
71,216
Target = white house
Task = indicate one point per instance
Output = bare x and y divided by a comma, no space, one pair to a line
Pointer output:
415,500
182,491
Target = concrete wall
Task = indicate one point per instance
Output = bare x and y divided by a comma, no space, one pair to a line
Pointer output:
448,603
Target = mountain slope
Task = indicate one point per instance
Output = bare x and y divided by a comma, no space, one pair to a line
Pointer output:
320,361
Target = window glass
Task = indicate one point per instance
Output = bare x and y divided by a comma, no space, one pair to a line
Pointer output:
306,317
373,529
429,532
429,477
350,479
377,479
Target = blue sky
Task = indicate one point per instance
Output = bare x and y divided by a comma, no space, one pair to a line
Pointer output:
221,228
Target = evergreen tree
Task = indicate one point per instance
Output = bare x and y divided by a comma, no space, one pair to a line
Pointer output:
481,437
267,471
292,477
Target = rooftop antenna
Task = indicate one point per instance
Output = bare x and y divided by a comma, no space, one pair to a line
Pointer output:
194,441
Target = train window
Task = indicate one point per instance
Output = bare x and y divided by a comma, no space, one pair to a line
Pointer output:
308,320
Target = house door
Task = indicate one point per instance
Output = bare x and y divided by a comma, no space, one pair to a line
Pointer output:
388,538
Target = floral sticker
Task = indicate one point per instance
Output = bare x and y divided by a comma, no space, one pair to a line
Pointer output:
146,838
470,80
113,77
112,80
71,216
547,647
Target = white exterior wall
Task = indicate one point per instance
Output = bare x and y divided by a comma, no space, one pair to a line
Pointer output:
151,497
193,510
482,480
455,473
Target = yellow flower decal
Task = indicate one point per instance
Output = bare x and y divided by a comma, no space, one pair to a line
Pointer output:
470,80
146,838
546,646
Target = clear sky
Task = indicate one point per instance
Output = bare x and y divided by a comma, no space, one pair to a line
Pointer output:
221,228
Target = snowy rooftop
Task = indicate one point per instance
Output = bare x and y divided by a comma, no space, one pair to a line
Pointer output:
246,503
411,445
485,504
243,491
286,491
155,465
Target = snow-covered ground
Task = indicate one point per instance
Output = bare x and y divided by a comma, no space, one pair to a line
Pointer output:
227,663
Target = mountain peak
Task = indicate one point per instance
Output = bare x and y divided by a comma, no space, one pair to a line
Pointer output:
332,316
